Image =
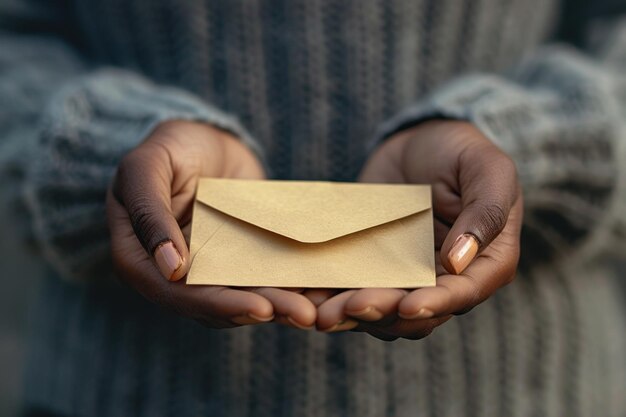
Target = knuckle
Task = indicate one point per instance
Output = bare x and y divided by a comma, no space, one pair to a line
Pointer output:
128,175
142,211
493,218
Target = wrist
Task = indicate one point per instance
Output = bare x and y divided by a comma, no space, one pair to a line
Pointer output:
434,140
437,127
400,147
212,150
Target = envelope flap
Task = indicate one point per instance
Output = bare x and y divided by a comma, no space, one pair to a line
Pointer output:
310,211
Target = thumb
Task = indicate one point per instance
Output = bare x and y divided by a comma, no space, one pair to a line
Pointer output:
143,184
488,187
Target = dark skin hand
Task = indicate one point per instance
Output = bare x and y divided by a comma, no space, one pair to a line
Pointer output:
476,195
149,212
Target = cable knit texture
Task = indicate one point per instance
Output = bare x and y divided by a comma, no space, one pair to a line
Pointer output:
312,81
88,125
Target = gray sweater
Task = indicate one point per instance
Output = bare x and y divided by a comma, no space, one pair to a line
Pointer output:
312,83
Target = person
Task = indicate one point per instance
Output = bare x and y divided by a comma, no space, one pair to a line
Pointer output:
130,102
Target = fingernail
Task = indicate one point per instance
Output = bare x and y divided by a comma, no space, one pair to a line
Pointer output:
369,314
463,252
298,325
342,326
251,319
168,259
423,313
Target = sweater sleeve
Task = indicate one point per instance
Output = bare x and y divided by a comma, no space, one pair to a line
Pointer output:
561,116
64,126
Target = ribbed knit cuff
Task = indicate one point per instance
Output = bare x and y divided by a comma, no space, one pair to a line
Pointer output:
479,99
519,119
88,126
112,97
559,122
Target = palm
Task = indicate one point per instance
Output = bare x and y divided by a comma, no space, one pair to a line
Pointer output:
459,163
159,180
385,166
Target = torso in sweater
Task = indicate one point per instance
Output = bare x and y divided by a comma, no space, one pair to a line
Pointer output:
312,79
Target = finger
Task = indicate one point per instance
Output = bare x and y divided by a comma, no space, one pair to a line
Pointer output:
453,294
143,186
207,303
218,305
290,307
456,294
319,295
331,316
494,268
488,190
374,304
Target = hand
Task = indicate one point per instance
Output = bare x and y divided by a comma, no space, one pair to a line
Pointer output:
149,206
477,208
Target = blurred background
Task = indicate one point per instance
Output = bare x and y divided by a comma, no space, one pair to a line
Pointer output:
19,283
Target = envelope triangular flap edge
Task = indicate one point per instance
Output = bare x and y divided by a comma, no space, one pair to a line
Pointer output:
313,211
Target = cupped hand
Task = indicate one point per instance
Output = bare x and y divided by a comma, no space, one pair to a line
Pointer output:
149,213
477,208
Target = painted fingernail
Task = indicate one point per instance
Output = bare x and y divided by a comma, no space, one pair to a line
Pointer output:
168,259
298,325
342,326
423,313
251,319
463,252
369,314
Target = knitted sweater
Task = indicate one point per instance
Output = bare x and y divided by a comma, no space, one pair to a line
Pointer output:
312,83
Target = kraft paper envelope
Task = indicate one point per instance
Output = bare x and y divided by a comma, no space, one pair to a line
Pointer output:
311,234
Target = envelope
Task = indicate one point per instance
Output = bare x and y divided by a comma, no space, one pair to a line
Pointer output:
311,234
